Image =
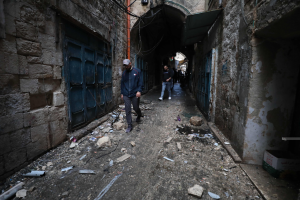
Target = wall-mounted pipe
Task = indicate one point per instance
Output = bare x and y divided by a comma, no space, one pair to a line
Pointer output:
128,30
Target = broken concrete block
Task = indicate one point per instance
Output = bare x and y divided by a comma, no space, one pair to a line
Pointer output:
104,142
179,146
196,191
196,121
119,126
21,193
132,143
168,140
122,158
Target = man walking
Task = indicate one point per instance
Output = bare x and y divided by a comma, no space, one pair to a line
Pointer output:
166,83
131,87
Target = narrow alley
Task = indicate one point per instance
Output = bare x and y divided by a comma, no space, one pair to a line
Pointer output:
146,174
217,81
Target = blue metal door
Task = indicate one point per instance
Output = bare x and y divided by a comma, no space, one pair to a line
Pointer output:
88,75
203,86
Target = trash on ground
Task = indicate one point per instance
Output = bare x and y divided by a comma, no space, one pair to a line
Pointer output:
95,132
196,190
67,169
178,118
102,193
168,140
111,163
104,142
9,193
168,159
69,161
93,139
226,143
35,173
132,143
111,131
216,144
214,196
119,126
179,146
185,162
49,164
226,170
44,168
86,171
227,194
196,121
82,157
21,193
123,150
122,158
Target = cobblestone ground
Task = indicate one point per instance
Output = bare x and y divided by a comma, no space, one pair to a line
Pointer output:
146,174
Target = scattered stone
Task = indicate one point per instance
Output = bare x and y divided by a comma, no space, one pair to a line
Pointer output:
21,193
132,143
106,130
122,158
32,189
179,146
44,168
190,137
73,144
168,140
104,142
49,164
65,194
196,121
119,126
196,191
123,150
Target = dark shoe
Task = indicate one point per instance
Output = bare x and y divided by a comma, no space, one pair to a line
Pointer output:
129,129
138,119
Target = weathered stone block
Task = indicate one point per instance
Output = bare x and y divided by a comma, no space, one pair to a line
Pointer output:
19,139
17,103
40,71
50,29
11,123
47,41
8,44
23,65
58,131
58,99
4,144
36,117
57,72
39,132
29,85
2,106
14,159
10,27
25,47
11,63
34,60
49,85
26,31
9,83
48,57
37,148
2,170
56,113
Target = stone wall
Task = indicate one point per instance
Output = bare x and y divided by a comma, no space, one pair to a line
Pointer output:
239,79
33,96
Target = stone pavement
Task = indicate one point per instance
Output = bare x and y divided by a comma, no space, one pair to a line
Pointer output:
156,168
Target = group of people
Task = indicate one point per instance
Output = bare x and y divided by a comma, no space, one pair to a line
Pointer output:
132,85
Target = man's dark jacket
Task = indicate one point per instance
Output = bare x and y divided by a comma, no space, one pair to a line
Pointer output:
131,82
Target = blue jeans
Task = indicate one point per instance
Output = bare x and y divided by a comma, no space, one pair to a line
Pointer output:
164,86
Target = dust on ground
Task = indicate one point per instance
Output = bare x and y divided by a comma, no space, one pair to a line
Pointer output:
155,170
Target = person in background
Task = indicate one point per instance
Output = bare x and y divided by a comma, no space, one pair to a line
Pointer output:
131,88
166,82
